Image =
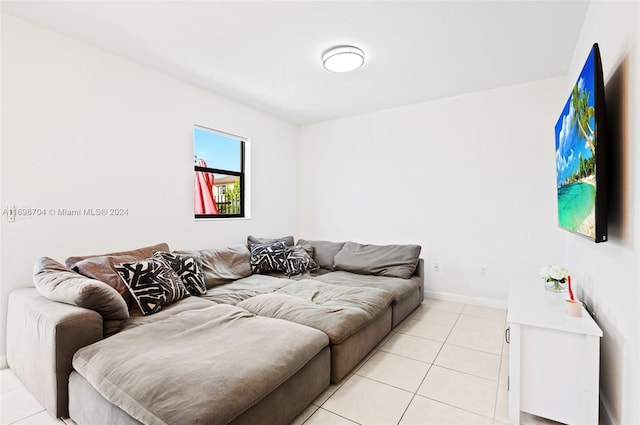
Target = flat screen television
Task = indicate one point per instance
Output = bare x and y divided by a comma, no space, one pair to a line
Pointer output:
581,155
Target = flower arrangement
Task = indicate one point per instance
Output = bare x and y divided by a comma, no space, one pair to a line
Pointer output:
555,277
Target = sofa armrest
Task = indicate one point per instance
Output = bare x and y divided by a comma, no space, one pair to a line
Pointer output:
42,337
419,273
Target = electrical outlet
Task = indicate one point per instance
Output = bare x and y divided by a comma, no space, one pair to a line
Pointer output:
483,271
436,267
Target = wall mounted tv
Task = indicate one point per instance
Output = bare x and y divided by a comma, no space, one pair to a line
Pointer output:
581,154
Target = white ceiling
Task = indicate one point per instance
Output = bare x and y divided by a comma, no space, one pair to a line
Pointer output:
266,54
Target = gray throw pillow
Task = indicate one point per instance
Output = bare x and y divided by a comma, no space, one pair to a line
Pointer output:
222,265
382,260
324,252
58,283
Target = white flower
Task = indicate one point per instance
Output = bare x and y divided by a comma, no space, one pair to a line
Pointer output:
557,273
550,273
544,272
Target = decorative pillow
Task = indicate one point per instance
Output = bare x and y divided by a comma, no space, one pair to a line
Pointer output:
268,257
382,260
152,283
102,267
58,283
324,252
286,240
298,261
187,269
222,265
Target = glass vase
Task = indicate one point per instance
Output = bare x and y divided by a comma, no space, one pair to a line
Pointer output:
555,285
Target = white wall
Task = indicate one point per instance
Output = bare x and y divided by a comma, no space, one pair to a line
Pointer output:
608,274
469,178
85,129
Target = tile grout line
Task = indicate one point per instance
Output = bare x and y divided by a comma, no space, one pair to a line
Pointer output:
333,413
429,370
403,356
476,350
26,417
415,393
493,417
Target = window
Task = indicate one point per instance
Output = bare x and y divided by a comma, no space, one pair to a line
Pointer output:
219,174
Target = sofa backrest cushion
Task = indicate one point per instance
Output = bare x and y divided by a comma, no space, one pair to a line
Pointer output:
140,253
382,260
58,283
253,240
222,265
324,252
102,266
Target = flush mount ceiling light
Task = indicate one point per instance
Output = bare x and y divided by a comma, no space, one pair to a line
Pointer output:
343,58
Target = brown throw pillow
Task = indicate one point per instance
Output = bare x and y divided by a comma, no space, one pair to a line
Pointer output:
58,283
102,267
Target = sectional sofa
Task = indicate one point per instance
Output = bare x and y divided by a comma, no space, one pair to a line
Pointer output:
243,334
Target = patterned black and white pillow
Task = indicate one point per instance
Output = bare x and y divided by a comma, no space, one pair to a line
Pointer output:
153,283
298,261
268,257
188,269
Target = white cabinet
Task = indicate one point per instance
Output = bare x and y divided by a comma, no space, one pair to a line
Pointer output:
554,359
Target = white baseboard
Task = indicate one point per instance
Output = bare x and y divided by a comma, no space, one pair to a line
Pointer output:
3,362
485,302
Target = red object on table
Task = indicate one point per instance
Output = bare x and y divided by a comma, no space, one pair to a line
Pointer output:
570,290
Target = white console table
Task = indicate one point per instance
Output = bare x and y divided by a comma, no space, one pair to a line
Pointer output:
554,359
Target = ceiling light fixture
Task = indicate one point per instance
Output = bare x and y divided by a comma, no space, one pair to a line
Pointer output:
343,58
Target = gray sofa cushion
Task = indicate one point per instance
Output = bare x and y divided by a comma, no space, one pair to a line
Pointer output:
185,304
400,288
209,366
324,252
338,311
234,292
58,283
223,265
382,260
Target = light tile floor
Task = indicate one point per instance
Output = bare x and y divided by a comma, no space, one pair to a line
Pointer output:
445,364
